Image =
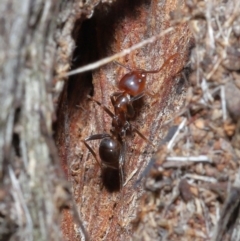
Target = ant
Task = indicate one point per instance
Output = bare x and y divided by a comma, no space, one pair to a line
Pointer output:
132,84
112,147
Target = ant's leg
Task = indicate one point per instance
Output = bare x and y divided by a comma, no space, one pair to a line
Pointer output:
164,64
92,151
97,137
145,92
154,95
122,159
91,138
103,106
142,136
137,96
122,65
115,94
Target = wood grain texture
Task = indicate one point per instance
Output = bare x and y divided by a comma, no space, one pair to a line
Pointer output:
30,174
108,215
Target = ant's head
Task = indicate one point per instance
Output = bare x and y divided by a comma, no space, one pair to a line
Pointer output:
133,82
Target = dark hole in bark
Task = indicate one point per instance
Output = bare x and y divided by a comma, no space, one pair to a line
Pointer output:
93,39
16,138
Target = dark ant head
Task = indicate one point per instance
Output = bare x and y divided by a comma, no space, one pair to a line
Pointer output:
133,82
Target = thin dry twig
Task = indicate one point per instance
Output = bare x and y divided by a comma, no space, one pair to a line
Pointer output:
21,204
123,53
180,127
201,158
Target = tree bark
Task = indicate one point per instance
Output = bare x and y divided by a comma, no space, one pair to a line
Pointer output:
43,39
106,209
32,189
40,42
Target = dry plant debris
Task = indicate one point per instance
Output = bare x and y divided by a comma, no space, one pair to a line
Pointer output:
194,179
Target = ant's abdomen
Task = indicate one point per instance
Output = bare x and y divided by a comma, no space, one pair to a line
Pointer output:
110,152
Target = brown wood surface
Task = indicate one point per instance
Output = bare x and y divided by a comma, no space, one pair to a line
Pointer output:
108,215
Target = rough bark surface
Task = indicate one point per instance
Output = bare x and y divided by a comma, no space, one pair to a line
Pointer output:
33,189
28,154
38,39
107,212
192,180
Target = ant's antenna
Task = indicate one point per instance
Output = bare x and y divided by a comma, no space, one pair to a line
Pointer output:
122,65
